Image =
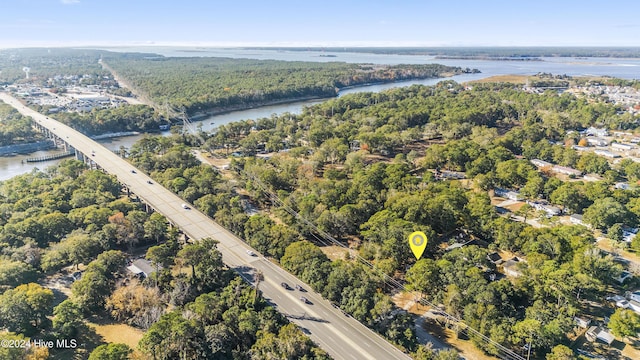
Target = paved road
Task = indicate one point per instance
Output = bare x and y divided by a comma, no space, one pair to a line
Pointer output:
339,335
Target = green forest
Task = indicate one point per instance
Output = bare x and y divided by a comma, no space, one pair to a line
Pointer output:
122,118
70,218
195,85
364,171
357,167
202,84
15,128
354,289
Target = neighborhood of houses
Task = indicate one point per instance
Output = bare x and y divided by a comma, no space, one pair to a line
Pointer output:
614,147
625,96
78,98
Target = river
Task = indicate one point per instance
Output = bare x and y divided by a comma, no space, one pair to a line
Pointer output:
622,68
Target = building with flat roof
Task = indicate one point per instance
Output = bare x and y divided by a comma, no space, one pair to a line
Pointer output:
607,154
621,147
142,267
597,141
621,186
593,131
596,333
451,175
566,170
576,219
541,163
508,194
546,207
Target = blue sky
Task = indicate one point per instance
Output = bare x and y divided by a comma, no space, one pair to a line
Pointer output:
321,23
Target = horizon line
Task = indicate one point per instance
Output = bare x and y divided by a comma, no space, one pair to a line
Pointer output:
284,44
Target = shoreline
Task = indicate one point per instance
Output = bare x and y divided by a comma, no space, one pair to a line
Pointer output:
225,110
26,148
203,115
487,58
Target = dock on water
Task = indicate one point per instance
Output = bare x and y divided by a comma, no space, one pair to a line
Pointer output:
51,157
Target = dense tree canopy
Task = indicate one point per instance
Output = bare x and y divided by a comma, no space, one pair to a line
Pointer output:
229,324
372,200
111,352
15,128
364,169
25,308
624,322
202,83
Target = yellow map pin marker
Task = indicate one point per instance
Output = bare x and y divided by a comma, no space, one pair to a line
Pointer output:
418,242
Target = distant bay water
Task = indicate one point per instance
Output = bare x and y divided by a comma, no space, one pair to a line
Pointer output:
614,67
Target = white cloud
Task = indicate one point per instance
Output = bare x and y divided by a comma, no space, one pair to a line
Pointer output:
69,2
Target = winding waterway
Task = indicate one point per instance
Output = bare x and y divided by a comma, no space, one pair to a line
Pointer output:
622,68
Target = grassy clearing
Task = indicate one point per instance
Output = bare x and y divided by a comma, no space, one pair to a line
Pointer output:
118,333
516,79
101,332
335,252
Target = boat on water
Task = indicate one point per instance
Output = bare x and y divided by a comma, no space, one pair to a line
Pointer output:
164,127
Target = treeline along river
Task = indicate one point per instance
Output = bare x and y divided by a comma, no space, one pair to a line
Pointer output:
614,67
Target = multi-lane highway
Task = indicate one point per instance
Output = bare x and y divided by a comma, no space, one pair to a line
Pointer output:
338,334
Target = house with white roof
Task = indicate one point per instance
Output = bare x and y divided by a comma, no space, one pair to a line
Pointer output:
597,141
596,333
540,163
593,131
577,219
621,186
628,233
508,194
566,170
546,207
142,267
621,147
606,153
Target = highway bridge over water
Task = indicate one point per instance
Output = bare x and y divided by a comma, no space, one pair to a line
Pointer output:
339,335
